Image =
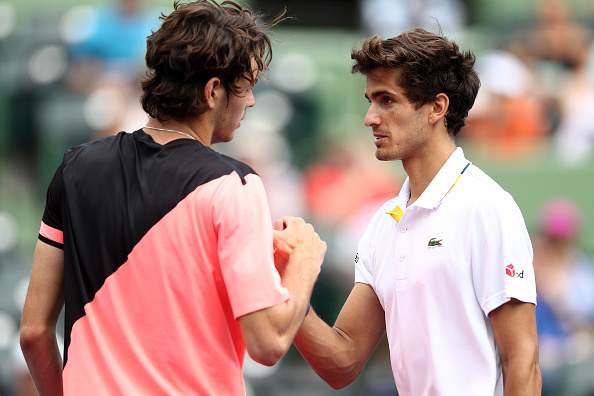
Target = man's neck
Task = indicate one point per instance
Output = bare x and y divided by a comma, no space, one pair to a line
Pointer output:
194,127
422,169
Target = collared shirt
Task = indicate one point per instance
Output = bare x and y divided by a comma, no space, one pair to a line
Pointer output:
458,252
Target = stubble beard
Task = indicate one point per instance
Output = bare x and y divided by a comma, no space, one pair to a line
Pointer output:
380,156
386,154
223,133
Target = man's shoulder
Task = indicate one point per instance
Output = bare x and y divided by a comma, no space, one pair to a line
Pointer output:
481,194
234,163
478,190
481,184
99,148
218,165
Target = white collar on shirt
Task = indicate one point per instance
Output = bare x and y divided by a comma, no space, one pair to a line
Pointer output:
441,183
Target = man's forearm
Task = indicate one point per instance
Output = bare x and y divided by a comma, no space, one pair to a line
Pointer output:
338,354
522,378
327,351
299,253
45,362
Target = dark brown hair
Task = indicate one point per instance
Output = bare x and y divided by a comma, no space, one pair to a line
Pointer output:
429,64
196,42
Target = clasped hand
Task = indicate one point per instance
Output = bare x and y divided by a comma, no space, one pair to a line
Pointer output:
292,236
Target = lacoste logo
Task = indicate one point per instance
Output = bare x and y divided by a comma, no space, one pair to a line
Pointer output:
434,242
512,273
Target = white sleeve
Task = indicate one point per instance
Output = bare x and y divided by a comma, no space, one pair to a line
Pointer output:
364,259
501,256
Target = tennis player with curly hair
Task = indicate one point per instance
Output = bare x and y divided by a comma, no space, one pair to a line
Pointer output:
160,248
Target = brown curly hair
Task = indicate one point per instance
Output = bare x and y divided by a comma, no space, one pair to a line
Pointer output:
429,64
198,41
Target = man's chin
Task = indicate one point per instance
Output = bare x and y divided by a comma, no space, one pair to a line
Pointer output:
383,155
225,139
228,138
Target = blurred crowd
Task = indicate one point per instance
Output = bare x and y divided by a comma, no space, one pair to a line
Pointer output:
565,309
537,88
73,77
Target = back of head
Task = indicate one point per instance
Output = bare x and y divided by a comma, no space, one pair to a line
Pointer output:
429,64
196,42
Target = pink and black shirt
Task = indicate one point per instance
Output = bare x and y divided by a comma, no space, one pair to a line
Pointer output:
165,247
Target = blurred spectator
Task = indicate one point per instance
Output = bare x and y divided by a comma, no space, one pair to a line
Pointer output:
507,121
343,192
557,48
107,55
266,150
556,36
344,182
574,135
565,310
389,18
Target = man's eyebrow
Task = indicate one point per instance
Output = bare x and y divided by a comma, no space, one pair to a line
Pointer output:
375,94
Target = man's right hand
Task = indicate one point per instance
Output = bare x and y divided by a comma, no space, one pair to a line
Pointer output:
294,237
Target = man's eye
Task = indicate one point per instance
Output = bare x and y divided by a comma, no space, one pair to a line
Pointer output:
387,100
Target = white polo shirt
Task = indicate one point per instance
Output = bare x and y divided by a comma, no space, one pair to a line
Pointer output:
451,259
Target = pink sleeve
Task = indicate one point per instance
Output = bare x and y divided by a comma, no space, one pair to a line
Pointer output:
242,217
51,233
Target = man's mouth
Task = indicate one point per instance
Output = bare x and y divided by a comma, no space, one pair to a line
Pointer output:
379,137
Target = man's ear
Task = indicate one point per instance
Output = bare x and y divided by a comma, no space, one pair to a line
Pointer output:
441,105
212,91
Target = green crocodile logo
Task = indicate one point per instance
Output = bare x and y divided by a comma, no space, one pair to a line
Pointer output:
434,242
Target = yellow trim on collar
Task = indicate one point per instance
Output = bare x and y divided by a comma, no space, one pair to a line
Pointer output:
396,213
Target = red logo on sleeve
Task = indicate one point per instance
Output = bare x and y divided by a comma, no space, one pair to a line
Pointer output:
510,270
